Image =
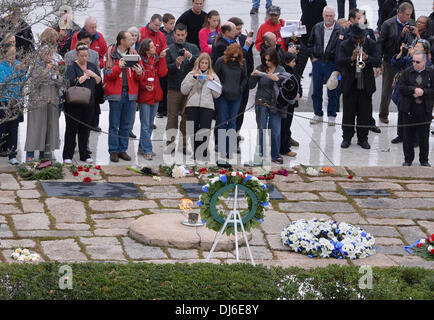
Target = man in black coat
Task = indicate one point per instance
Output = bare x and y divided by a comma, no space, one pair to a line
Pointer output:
358,84
416,87
245,42
392,34
223,40
390,9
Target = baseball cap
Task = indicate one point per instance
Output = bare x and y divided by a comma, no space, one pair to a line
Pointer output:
273,10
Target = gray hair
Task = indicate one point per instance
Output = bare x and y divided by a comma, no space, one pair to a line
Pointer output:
403,7
326,8
89,20
421,53
135,30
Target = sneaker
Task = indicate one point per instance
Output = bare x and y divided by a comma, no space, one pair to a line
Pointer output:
315,119
114,157
290,154
148,156
160,115
124,156
89,160
278,160
294,143
332,121
67,161
254,11
13,161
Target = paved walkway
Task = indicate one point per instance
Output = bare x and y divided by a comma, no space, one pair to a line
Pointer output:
80,229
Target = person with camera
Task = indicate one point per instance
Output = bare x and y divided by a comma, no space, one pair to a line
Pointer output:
390,8
150,93
356,58
389,41
180,58
402,61
121,89
200,103
422,29
416,87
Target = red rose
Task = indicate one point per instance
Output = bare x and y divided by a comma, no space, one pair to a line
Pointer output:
80,168
247,172
428,240
75,173
261,178
94,173
432,237
86,169
87,180
269,178
350,176
432,251
243,176
98,167
238,174
223,171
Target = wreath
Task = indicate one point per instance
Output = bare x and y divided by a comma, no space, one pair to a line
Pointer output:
255,191
40,170
328,239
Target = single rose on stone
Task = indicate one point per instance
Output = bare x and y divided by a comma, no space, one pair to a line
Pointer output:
87,180
75,173
86,169
80,168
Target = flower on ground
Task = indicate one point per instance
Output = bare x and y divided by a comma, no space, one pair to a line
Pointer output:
87,180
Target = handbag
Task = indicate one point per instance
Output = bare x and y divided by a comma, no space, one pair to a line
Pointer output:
78,95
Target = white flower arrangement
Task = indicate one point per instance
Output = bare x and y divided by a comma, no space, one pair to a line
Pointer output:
328,239
25,255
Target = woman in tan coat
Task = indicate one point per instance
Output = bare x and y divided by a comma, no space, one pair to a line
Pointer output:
43,110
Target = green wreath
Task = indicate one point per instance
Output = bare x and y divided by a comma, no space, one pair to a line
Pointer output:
257,199
33,171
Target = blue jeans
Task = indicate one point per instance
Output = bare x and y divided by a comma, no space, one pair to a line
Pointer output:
321,72
257,3
226,119
147,116
269,120
119,123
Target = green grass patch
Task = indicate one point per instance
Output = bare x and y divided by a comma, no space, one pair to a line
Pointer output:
207,281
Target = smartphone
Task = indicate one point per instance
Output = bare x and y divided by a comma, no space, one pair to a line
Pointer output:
131,60
250,34
202,77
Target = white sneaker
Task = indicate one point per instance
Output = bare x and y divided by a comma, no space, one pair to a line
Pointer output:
89,160
13,161
316,119
67,161
332,121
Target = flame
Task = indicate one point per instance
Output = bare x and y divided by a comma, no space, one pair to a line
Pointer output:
185,205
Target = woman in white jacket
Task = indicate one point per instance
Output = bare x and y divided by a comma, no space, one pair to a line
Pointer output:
200,103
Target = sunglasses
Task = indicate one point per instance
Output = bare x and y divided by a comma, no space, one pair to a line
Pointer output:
417,62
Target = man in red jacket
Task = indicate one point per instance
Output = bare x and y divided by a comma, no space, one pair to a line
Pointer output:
97,43
152,31
273,24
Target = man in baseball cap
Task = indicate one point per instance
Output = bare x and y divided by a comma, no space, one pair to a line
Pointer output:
273,24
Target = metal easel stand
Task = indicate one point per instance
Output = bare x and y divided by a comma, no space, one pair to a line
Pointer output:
235,218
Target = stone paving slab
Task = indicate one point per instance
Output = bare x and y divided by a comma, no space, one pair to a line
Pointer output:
400,172
66,210
31,221
63,250
324,206
400,213
7,197
9,209
427,225
121,205
8,182
370,185
13,244
386,203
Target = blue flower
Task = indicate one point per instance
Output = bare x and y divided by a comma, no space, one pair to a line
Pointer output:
199,203
300,250
337,231
264,204
203,221
224,179
260,220
364,234
310,256
263,186
339,257
248,177
205,189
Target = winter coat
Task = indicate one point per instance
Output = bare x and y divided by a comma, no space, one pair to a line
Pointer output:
316,42
203,40
268,26
153,67
10,81
43,115
232,77
97,43
199,95
175,75
158,38
113,76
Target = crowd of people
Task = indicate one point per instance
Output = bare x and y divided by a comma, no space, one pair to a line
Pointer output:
199,68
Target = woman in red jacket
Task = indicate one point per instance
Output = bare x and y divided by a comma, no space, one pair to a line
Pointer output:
150,94
209,32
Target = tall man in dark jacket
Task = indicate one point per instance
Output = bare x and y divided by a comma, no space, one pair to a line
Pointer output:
323,45
389,42
226,37
358,84
416,87
180,60
389,9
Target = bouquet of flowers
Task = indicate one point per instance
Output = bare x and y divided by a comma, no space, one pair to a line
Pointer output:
25,255
325,239
423,248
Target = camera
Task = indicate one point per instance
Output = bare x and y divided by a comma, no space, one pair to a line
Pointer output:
405,50
411,25
181,52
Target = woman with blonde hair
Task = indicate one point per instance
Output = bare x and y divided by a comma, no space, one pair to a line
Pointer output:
200,101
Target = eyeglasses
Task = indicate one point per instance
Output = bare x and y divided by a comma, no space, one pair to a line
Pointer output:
234,57
267,60
417,62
